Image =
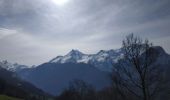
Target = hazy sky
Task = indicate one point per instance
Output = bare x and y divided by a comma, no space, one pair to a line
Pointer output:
35,31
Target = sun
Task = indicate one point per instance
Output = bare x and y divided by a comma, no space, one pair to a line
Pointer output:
60,2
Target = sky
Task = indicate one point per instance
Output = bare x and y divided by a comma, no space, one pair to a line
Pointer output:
35,31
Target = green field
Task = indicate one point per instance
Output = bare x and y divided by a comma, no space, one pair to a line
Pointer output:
4,97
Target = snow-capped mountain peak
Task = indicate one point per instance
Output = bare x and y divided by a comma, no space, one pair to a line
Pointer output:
74,52
12,67
73,56
102,60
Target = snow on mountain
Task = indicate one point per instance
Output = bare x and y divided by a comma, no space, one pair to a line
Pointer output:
102,60
12,67
72,56
91,68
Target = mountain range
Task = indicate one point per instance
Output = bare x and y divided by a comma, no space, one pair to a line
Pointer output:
55,75
12,67
103,60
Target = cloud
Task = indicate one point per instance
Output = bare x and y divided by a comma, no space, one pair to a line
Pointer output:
6,32
40,29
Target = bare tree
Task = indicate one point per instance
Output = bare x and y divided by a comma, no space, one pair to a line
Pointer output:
135,74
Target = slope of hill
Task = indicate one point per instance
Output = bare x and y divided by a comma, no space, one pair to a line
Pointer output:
4,97
54,78
12,85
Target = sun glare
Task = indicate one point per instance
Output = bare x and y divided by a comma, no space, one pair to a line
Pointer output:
60,2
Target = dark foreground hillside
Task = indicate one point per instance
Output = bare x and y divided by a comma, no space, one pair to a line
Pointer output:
4,97
11,85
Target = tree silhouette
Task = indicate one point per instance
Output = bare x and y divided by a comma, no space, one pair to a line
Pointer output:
78,90
135,77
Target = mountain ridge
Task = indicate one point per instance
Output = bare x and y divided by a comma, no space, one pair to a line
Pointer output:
62,69
99,60
103,59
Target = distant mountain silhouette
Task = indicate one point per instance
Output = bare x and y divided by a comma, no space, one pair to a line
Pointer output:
54,78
